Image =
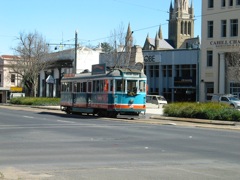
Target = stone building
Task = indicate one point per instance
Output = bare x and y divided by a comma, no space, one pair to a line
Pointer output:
180,29
10,82
220,60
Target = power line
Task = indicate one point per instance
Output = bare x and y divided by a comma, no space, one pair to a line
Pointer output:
146,7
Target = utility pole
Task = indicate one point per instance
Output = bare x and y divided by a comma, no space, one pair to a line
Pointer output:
74,71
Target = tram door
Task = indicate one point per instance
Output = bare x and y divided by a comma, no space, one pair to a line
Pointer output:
119,89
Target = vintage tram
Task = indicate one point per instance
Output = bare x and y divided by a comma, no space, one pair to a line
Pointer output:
105,92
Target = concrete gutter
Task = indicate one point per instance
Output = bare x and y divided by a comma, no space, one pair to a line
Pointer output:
193,120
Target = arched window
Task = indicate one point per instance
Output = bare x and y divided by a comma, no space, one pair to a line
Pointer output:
189,28
185,28
182,27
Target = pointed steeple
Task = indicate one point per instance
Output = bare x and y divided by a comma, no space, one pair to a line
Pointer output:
156,42
171,7
160,32
129,38
177,4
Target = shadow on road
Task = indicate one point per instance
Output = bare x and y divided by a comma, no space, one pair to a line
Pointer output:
73,116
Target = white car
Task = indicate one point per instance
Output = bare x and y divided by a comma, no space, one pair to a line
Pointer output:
228,99
156,101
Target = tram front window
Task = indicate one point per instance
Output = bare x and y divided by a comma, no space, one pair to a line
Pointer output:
142,86
132,86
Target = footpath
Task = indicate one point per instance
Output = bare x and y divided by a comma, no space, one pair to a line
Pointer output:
155,116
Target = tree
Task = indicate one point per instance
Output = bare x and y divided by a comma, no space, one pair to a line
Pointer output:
106,47
120,43
31,50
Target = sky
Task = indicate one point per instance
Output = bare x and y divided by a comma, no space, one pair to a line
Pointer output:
94,20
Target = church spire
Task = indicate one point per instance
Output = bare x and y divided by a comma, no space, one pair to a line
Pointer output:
171,6
181,22
129,38
160,32
156,42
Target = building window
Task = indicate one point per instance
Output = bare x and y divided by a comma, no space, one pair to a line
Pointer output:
156,71
223,3
210,29
210,4
230,2
209,90
235,89
237,2
151,71
13,77
164,71
233,27
224,28
209,58
169,71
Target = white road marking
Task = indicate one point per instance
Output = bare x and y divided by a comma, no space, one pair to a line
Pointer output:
30,117
65,121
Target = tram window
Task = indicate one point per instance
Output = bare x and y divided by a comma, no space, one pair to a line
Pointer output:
132,86
105,85
74,87
119,85
111,85
97,86
78,87
101,85
142,86
84,86
69,87
89,86
94,86
64,87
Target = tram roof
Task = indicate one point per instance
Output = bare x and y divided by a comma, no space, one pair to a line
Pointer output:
109,73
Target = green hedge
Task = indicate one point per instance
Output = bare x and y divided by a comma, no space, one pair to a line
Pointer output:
213,111
35,101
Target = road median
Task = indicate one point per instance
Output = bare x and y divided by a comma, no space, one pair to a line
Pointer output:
193,120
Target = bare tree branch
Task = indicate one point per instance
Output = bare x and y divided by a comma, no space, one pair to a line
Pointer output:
31,50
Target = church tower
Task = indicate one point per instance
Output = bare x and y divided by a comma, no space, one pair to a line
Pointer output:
181,22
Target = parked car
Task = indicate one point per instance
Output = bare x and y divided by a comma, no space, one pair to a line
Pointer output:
228,99
155,101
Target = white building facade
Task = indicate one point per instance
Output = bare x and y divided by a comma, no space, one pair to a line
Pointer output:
9,81
62,62
220,48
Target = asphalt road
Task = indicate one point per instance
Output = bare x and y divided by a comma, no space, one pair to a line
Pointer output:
42,144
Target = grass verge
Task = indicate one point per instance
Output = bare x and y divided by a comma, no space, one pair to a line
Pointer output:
39,101
212,111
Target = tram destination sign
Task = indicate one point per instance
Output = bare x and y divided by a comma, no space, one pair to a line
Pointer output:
98,69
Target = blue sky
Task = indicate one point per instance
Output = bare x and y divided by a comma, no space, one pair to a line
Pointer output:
93,19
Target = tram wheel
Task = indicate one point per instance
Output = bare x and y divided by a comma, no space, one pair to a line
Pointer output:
112,114
68,110
100,114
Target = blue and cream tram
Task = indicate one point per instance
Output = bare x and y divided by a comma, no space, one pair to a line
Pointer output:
106,93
